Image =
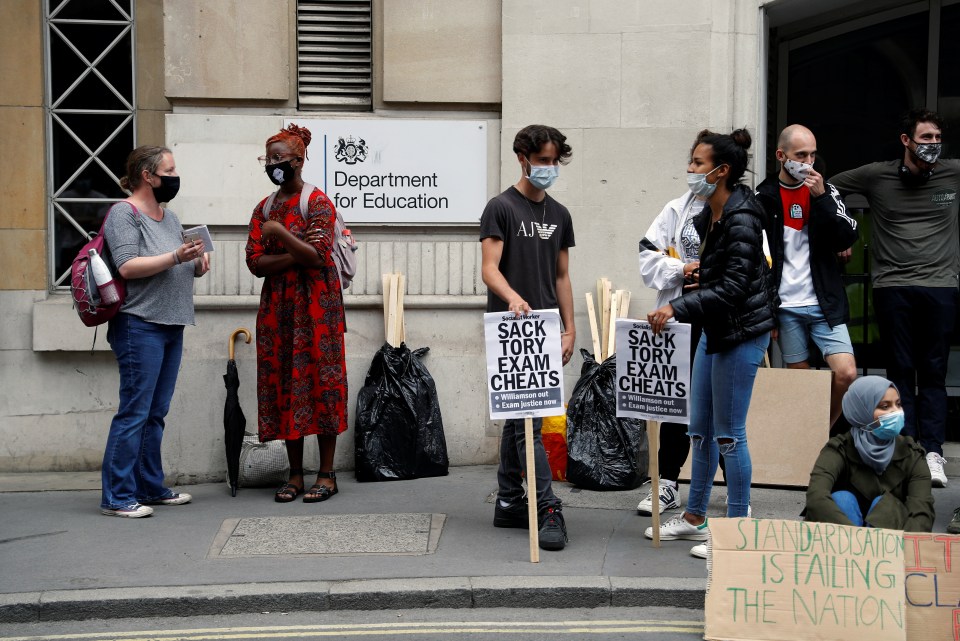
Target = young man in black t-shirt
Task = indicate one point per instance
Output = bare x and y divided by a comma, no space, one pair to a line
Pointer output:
524,236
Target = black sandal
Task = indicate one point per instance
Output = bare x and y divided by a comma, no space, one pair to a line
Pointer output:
289,492
319,492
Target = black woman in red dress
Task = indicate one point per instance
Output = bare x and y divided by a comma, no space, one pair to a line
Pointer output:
301,372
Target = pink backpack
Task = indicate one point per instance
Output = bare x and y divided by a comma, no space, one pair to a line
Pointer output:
86,297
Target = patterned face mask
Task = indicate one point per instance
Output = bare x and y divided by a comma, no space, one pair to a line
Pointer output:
280,172
798,170
928,152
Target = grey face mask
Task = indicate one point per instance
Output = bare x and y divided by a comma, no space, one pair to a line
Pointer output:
928,152
697,183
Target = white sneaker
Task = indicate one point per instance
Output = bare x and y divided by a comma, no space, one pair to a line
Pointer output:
677,528
935,463
699,550
669,499
135,511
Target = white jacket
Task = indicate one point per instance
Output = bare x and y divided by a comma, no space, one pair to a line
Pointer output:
678,243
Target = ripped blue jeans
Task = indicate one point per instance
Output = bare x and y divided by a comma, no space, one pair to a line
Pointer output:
721,387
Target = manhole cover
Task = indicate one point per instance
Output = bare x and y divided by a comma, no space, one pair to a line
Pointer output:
333,535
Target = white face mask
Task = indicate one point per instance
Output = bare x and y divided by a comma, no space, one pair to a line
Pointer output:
698,183
798,170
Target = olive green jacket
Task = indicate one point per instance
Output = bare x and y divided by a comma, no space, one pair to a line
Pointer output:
906,503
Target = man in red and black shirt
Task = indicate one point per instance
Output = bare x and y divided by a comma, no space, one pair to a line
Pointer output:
807,226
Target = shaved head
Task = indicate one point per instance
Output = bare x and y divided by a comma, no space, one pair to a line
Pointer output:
795,135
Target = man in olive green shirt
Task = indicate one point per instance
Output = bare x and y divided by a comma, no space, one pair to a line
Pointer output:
916,263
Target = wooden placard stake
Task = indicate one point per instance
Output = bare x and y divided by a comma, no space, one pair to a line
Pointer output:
531,490
401,330
600,313
392,314
612,320
605,320
653,444
594,335
386,307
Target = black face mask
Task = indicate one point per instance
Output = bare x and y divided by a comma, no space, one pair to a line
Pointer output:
280,172
911,179
167,191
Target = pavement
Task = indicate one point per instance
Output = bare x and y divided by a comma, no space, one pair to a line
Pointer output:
426,543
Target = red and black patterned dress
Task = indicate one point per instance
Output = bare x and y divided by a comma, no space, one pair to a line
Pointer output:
301,372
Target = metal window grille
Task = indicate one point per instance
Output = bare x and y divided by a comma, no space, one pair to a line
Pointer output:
334,54
90,98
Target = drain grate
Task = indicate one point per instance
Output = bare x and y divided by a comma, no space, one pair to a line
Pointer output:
331,535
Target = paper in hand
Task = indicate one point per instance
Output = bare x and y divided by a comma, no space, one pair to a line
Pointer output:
199,233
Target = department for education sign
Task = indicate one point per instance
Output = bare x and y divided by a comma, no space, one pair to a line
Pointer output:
399,170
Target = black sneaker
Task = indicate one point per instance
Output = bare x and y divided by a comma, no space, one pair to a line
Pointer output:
553,531
954,526
514,515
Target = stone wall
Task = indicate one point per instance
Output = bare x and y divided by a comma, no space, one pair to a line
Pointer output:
629,81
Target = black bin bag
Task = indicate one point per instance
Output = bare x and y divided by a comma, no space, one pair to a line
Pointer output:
399,431
603,452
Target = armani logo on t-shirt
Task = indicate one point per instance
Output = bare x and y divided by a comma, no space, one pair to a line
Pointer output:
545,231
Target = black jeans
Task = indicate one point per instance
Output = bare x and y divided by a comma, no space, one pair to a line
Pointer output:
674,441
513,463
916,324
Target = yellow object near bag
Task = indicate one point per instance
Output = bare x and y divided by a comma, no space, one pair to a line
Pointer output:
554,432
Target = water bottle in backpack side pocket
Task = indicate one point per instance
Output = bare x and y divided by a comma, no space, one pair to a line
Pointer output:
104,279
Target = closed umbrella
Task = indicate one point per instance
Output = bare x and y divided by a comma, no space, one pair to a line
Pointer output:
234,422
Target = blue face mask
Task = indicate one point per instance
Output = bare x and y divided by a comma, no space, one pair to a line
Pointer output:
889,426
543,176
698,183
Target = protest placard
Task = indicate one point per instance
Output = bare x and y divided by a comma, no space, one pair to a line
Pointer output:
524,364
794,580
653,371
932,587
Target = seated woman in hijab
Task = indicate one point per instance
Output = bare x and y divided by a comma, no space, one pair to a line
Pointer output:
871,476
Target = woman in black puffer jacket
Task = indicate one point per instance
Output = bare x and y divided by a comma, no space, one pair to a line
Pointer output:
736,303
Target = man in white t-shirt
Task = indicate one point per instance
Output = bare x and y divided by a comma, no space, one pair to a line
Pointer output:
807,226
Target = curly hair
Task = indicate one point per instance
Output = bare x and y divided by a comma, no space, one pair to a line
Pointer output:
532,138
297,138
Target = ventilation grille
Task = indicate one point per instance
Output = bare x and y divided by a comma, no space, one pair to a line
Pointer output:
334,54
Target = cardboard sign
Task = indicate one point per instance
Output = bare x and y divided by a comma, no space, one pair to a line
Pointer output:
785,402
653,371
932,586
524,364
793,580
